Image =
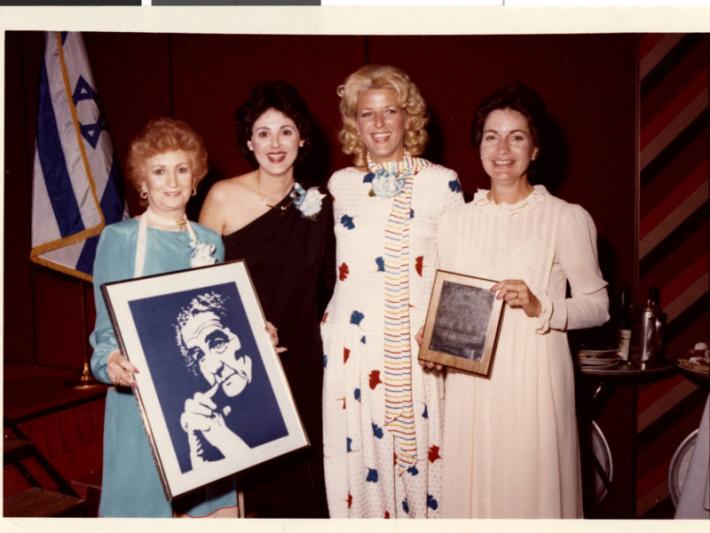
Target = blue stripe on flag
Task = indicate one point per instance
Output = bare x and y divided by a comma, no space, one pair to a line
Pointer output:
85,263
112,206
54,167
112,203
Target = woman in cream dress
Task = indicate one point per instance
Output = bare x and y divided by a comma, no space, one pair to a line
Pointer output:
510,440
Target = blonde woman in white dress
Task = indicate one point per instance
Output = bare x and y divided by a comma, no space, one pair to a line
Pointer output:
382,416
510,441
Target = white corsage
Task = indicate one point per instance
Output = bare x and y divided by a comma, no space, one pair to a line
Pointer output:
308,202
202,254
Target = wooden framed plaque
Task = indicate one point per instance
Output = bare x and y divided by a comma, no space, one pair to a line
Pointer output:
462,323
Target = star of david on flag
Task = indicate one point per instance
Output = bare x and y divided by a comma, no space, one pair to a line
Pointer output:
76,183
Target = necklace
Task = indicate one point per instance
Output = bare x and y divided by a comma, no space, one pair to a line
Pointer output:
163,222
267,204
202,253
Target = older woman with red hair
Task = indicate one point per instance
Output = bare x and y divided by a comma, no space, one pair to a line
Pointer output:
166,162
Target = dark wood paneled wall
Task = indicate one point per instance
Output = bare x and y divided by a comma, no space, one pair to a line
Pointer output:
588,81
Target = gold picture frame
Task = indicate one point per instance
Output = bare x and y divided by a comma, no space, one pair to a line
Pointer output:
462,323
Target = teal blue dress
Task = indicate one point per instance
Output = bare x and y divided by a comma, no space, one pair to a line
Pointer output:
131,486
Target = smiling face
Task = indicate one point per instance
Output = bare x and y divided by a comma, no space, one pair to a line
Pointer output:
275,141
168,182
507,147
214,347
381,124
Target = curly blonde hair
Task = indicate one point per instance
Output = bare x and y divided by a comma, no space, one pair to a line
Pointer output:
164,135
408,97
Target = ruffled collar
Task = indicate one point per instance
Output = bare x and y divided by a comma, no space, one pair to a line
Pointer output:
532,200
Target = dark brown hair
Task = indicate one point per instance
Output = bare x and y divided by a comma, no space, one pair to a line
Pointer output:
527,102
278,95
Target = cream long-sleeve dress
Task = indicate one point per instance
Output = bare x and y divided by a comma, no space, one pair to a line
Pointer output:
510,444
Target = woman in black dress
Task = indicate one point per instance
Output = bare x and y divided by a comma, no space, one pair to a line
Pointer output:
284,231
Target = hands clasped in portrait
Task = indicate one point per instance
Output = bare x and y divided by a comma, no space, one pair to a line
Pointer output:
211,349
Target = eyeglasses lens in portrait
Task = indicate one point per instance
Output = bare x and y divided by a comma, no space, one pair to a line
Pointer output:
208,373
462,320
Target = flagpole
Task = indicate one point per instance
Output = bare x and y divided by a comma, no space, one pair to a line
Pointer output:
85,379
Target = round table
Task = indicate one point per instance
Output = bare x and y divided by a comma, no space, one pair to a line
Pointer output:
603,380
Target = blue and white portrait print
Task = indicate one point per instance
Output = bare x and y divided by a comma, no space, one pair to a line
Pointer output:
208,373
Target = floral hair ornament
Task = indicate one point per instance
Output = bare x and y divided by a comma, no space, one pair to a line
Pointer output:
388,178
308,202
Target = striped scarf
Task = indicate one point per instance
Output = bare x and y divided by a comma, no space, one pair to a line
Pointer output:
399,409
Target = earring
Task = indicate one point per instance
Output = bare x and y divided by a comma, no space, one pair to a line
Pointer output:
143,194
300,144
194,189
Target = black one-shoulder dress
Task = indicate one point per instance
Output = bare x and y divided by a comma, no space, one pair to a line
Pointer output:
291,260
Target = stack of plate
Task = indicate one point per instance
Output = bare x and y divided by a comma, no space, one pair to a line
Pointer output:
603,358
695,365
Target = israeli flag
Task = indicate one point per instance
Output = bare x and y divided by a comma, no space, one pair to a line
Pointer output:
76,184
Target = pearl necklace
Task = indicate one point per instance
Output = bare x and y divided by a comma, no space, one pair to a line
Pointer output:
166,223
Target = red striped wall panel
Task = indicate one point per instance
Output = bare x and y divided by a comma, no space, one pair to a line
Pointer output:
674,231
